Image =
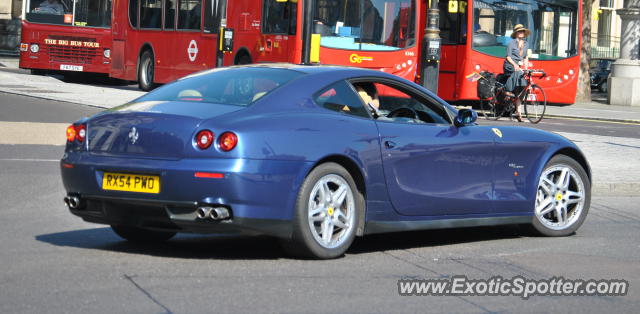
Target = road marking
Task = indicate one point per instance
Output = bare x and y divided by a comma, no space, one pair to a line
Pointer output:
33,133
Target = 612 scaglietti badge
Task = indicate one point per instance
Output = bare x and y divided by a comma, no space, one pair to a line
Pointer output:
314,156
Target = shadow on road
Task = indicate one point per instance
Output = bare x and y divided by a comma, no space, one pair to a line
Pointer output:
259,247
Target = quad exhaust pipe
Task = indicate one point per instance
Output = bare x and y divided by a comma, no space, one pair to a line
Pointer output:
73,202
215,213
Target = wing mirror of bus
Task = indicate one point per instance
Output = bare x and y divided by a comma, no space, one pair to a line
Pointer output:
465,117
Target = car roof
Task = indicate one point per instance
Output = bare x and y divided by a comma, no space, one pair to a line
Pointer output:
310,68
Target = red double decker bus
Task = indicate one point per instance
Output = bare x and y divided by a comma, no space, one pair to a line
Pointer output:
554,43
66,35
156,41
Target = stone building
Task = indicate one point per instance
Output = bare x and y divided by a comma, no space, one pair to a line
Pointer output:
10,11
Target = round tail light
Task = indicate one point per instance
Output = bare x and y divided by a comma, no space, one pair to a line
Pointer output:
81,132
227,141
204,139
71,133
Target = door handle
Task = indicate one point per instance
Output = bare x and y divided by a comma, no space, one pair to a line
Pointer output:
389,144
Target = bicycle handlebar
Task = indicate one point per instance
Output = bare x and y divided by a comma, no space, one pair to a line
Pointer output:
535,72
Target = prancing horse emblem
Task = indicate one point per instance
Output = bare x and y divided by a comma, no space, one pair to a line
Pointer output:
133,135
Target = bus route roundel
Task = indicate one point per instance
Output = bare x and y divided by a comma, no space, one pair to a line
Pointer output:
192,51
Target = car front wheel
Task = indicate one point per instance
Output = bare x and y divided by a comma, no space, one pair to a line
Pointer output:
328,211
563,197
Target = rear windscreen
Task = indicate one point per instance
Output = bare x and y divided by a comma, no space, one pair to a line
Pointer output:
232,86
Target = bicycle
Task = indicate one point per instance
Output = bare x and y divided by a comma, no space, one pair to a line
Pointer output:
496,101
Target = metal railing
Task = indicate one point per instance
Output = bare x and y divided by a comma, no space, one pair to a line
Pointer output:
605,47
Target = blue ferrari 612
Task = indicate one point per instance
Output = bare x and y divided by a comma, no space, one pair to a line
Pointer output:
313,155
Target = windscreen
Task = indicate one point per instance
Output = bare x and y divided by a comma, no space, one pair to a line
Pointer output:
229,86
88,13
365,24
553,26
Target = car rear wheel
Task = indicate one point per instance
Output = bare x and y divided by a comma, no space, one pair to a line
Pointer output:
563,197
135,234
328,212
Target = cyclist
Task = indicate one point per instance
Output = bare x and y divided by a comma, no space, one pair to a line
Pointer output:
516,60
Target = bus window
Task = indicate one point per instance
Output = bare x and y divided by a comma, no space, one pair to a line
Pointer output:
453,22
133,13
366,24
213,12
553,26
150,14
169,14
277,17
189,14
273,17
91,13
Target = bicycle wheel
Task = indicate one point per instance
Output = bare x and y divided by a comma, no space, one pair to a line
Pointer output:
535,103
491,110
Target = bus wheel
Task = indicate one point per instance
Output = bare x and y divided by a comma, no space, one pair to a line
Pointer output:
146,71
243,59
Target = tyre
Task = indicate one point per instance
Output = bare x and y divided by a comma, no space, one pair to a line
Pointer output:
603,87
135,234
563,197
146,70
491,110
329,209
243,59
38,72
535,103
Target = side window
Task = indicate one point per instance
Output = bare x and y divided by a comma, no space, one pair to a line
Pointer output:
133,13
214,10
169,14
189,14
403,105
150,14
276,17
341,98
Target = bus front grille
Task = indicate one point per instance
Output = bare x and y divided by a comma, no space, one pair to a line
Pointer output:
69,54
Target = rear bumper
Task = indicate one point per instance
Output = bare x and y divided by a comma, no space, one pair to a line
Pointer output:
171,216
260,194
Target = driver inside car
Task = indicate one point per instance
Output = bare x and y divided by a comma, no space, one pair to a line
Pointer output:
369,94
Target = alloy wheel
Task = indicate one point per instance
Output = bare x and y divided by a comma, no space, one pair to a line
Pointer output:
331,211
560,197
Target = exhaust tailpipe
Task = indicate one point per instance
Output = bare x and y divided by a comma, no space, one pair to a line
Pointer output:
73,202
203,212
219,213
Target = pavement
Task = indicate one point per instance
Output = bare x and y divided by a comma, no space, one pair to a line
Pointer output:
614,160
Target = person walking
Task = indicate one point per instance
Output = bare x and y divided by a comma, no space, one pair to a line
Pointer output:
516,60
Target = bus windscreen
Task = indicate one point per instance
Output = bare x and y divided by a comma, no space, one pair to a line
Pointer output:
374,25
88,13
553,26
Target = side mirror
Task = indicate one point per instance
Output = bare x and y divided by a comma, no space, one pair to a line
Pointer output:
465,117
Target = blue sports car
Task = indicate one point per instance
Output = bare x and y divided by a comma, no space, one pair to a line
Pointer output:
313,155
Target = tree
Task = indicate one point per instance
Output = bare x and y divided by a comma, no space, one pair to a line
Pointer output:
584,81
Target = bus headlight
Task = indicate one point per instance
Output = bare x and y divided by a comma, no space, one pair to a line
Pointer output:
34,48
107,53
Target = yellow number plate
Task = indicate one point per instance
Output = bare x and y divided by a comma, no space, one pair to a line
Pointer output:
131,182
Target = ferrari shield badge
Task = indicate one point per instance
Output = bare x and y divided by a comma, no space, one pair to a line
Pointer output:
497,132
